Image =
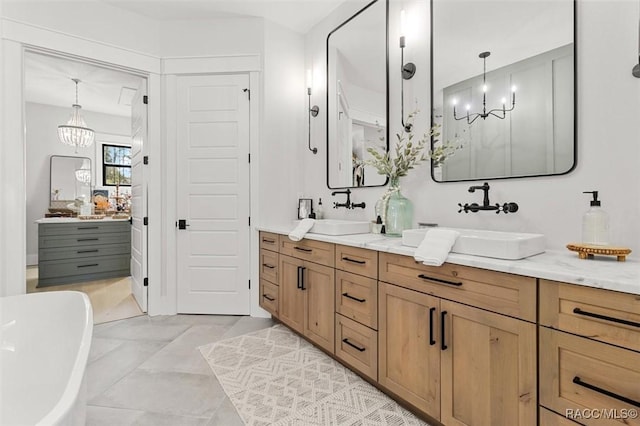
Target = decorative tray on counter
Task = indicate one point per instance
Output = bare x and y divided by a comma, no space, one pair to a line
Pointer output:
586,251
91,217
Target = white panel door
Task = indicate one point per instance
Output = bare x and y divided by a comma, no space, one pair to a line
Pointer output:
138,197
213,194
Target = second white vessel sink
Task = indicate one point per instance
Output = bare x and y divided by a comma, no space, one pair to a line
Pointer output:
339,227
496,244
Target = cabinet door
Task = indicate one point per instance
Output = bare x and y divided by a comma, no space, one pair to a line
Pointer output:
319,288
488,368
291,303
408,354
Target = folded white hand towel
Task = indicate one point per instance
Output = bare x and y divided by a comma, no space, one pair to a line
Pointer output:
303,227
435,247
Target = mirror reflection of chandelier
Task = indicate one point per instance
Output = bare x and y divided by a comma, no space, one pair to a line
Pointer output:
500,113
75,132
83,174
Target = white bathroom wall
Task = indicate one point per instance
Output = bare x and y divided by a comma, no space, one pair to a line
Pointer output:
42,142
608,134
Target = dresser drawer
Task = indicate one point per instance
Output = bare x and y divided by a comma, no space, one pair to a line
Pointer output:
313,251
603,315
357,345
269,297
269,241
499,292
269,266
578,373
549,418
84,266
51,241
357,260
357,298
80,228
81,252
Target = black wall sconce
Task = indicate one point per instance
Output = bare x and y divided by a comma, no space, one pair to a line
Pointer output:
313,110
408,70
636,69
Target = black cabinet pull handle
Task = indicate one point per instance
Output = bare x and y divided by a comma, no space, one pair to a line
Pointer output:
269,298
345,340
302,269
579,382
86,266
348,296
438,280
86,239
87,227
264,240
303,249
432,341
359,262
87,251
606,318
443,316
266,265
299,277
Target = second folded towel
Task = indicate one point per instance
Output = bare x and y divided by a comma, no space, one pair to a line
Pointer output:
435,247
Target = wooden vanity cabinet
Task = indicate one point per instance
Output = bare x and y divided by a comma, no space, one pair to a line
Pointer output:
269,271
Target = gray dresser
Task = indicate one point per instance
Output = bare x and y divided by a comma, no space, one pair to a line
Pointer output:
77,250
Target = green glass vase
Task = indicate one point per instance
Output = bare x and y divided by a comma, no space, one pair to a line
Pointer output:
399,210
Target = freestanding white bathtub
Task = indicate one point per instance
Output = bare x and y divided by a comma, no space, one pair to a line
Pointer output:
44,346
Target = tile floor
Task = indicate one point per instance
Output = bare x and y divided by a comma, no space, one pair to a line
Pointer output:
148,371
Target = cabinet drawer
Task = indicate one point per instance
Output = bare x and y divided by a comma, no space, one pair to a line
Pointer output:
50,241
313,251
549,418
269,241
357,298
603,315
269,297
500,292
357,345
578,373
85,251
79,228
85,266
269,266
357,260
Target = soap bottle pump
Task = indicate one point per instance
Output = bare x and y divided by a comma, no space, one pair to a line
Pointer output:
595,223
319,210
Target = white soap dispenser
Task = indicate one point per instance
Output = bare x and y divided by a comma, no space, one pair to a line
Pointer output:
595,223
319,210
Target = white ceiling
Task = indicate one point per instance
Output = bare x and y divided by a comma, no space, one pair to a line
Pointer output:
48,81
297,15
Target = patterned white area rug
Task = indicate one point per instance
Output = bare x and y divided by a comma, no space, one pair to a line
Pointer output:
274,377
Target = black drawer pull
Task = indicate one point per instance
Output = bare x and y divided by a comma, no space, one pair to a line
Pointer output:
264,240
86,239
299,277
443,316
303,249
87,251
86,266
438,280
347,295
359,262
302,269
345,340
579,382
606,318
88,227
432,341
269,298
266,265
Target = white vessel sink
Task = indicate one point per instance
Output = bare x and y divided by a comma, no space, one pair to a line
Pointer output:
338,227
496,244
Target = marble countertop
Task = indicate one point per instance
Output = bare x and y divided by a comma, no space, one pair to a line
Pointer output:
76,220
601,272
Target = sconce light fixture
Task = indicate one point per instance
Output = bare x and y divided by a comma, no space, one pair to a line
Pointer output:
636,69
408,70
313,110
500,113
75,132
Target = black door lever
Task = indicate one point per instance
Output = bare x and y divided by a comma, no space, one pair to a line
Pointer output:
182,224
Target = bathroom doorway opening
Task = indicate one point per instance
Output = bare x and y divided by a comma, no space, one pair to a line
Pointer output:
108,264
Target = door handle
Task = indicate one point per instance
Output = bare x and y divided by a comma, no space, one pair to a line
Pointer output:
299,277
182,224
432,341
302,269
443,317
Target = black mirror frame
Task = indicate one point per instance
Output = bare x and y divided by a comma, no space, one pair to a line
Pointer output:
575,105
387,88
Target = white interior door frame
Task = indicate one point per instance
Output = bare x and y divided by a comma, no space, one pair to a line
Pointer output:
172,68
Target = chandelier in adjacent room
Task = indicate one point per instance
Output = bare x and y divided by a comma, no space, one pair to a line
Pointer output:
75,132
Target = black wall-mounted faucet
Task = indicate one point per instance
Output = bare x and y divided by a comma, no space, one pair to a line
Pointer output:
348,204
486,205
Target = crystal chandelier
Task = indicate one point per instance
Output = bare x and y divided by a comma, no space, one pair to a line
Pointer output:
75,132
500,113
